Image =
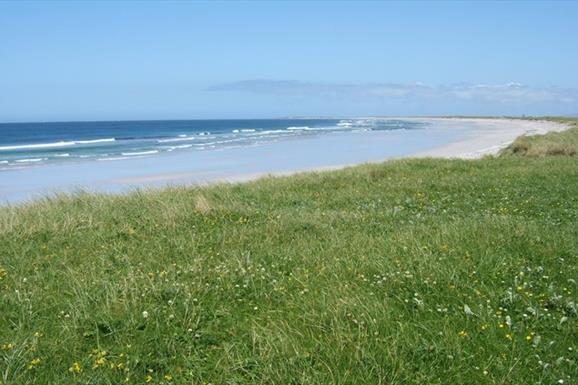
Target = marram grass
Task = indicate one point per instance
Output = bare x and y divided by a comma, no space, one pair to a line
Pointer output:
553,144
407,272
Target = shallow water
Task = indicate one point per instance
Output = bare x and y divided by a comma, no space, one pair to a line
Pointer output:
152,168
32,144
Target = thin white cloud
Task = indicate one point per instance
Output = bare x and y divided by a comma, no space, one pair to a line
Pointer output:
506,94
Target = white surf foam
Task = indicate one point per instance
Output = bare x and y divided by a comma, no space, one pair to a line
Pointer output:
95,141
39,145
140,153
54,144
179,139
30,160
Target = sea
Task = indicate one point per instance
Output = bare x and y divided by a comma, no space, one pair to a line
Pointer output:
24,145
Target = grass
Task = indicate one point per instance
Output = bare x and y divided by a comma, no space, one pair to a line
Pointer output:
407,272
563,143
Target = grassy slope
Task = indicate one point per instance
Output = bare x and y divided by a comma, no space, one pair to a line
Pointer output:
360,276
553,144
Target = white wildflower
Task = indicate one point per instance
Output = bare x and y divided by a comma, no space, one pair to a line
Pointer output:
468,311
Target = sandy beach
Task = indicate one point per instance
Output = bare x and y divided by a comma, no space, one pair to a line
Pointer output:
491,136
444,137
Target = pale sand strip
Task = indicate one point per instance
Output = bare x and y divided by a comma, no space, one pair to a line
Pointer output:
492,136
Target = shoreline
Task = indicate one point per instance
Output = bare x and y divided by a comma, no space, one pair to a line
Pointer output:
450,151
495,140
460,138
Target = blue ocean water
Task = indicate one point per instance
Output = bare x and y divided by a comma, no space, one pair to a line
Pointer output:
32,144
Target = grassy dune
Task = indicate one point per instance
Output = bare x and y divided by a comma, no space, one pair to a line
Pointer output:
562,143
407,272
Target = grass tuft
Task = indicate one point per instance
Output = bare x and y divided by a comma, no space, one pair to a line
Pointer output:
202,204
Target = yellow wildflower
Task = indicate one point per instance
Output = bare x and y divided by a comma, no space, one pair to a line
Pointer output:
168,377
509,336
75,368
148,378
34,363
100,361
8,346
462,333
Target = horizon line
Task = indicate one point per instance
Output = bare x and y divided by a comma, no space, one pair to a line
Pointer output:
292,117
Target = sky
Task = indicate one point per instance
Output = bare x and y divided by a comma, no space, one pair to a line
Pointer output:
66,61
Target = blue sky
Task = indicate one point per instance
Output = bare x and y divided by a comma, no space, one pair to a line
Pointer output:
178,60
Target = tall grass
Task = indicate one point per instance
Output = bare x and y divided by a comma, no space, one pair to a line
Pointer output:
563,143
407,272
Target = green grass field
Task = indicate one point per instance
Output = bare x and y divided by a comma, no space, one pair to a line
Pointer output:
407,272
